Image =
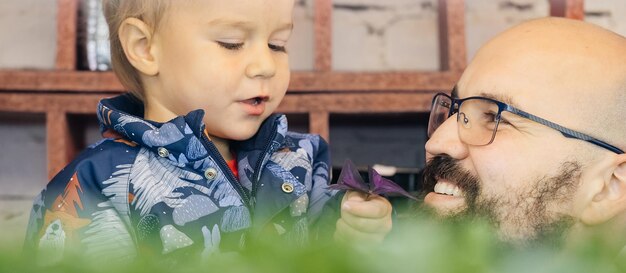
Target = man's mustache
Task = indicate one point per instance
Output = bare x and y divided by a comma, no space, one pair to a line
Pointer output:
448,168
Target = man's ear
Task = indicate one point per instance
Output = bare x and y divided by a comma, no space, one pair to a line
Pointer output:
607,191
137,40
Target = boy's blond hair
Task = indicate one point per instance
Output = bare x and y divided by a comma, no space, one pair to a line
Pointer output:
115,12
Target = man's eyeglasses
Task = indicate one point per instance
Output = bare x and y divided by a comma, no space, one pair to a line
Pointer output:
478,119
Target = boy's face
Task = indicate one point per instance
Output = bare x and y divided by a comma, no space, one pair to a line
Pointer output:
225,57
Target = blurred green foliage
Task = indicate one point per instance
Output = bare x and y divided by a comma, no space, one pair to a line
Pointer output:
417,244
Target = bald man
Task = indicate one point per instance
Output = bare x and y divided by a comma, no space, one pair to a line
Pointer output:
534,133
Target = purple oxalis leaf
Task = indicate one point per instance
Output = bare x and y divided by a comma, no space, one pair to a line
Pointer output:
350,179
380,185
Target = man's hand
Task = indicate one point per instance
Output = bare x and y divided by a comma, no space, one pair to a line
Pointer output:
364,220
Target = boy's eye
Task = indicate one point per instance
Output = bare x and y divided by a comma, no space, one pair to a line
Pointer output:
277,48
230,46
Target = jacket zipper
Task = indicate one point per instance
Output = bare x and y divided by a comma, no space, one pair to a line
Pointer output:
229,174
257,169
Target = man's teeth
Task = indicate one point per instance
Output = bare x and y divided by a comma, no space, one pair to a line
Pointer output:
448,189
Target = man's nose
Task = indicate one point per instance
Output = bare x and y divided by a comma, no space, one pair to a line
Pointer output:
262,63
445,140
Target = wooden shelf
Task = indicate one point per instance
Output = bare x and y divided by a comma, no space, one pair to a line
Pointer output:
96,82
353,102
59,80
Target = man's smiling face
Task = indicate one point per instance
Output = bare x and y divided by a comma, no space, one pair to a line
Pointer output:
528,181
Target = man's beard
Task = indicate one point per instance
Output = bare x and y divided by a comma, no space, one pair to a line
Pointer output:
524,215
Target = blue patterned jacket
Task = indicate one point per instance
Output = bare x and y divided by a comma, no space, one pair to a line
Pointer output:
161,188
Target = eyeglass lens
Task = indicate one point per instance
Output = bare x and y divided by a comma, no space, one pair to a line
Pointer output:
477,119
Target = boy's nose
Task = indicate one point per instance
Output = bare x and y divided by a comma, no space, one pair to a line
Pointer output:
262,63
445,140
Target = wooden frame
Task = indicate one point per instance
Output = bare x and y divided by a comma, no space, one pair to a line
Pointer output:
64,91
574,9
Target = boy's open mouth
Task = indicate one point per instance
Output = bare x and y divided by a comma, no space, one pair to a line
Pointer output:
255,106
256,100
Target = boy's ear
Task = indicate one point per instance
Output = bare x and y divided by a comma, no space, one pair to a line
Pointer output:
137,41
607,191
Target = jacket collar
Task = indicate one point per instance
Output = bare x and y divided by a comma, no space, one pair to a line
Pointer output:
179,139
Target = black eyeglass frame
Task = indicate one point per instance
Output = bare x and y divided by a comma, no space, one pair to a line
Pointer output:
569,133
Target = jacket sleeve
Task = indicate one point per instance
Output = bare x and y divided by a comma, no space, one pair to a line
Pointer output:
324,206
72,216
